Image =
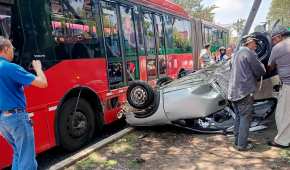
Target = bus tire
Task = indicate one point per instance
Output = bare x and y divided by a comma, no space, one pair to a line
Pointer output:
182,73
140,95
163,81
76,128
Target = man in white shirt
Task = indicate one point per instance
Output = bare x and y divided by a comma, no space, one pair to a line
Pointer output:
205,57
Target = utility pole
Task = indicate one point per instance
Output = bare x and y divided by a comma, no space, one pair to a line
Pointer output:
251,17
250,20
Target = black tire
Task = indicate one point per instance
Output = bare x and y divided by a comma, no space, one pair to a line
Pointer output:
182,73
264,46
140,95
163,81
76,128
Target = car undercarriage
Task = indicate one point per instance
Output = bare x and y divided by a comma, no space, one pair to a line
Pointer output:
197,101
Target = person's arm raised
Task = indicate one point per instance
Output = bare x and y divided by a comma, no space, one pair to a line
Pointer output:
40,79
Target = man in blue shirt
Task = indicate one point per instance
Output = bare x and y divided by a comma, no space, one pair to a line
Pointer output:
15,124
246,69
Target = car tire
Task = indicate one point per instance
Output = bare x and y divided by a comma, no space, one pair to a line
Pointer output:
163,81
140,95
76,128
264,46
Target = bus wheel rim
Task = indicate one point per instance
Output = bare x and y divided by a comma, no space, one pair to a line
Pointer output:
77,124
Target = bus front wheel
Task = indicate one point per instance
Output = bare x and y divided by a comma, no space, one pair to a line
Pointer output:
76,123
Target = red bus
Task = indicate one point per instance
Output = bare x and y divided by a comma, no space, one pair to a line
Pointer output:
90,51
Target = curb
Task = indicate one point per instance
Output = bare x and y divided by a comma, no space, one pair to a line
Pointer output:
83,153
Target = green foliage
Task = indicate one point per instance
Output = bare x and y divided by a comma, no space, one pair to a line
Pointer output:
280,9
239,25
197,10
180,42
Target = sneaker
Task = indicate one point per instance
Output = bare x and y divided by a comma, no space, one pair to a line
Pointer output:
247,148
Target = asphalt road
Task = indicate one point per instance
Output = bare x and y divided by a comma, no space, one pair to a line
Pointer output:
54,155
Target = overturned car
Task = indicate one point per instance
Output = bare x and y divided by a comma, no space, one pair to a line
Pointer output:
196,101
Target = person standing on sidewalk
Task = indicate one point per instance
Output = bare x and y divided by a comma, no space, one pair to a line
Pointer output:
280,58
205,57
15,124
245,70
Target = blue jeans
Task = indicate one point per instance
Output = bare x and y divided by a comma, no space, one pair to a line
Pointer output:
243,109
17,130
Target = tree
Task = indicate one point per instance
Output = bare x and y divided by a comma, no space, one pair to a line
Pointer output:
197,10
280,9
239,25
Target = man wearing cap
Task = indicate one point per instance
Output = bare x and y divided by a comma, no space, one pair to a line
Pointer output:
245,70
280,58
15,125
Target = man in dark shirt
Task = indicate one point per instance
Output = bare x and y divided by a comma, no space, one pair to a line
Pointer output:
246,69
15,124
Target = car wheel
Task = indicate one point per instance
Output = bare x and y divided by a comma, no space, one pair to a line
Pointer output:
264,46
76,126
140,95
163,81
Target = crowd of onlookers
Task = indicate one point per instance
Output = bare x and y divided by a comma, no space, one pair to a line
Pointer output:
221,55
245,71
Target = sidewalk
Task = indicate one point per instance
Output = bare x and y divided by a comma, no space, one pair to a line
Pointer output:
169,148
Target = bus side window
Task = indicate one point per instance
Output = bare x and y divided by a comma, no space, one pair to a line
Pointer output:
139,31
169,33
148,26
160,39
181,36
75,29
58,30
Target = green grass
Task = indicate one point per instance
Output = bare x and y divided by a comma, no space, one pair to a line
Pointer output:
133,164
96,160
124,145
121,147
285,154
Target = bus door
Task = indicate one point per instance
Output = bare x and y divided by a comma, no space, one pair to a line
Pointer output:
150,44
129,43
160,44
111,33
